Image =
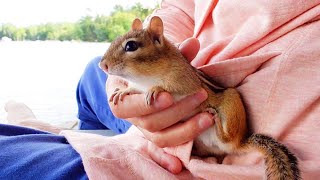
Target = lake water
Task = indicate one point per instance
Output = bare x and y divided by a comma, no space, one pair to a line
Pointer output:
44,75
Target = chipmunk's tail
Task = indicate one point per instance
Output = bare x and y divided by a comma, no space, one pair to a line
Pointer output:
280,163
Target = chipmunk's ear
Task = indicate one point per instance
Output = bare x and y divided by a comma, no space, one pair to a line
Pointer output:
136,24
155,28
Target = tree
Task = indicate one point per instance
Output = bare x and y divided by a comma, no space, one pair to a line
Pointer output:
32,33
19,34
67,31
8,30
140,11
119,24
93,29
87,29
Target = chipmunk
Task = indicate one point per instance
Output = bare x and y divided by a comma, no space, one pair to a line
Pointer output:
151,64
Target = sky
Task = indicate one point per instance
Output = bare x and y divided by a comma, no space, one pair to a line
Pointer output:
33,12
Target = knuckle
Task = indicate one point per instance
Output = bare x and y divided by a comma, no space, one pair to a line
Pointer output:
191,131
192,134
147,125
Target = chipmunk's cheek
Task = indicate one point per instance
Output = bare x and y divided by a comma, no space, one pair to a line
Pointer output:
117,70
111,71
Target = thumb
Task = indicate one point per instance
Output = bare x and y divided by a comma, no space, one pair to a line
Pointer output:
190,48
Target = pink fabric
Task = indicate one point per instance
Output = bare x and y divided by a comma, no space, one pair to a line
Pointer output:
270,51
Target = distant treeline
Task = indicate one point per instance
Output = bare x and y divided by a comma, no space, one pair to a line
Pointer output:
88,28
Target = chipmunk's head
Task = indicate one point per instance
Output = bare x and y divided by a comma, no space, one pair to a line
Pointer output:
139,53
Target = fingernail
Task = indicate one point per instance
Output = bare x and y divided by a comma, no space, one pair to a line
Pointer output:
163,101
174,165
173,169
205,121
201,95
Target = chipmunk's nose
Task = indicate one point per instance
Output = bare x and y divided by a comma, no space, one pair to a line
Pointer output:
103,66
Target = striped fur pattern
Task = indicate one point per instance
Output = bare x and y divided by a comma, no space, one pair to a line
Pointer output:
280,163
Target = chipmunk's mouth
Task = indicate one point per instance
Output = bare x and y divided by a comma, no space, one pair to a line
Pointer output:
112,70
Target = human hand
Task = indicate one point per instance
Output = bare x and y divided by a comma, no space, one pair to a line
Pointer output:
141,144
159,121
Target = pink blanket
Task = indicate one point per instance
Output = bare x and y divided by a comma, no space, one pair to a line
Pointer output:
269,50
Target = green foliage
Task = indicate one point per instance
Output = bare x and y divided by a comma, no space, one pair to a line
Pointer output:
92,29
11,31
119,23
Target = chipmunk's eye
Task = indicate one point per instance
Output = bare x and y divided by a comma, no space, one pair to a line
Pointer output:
131,46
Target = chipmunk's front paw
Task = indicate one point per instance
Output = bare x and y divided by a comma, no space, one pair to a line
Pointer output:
119,94
214,112
152,94
211,110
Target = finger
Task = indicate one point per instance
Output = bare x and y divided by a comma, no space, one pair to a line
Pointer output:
190,48
134,105
181,132
169,116
167,161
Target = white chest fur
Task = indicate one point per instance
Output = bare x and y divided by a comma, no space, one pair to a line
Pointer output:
210,143
144,84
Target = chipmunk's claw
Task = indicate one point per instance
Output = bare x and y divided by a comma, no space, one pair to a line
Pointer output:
114,98
148,98
113,94
211,110
118,95
152,94
214,112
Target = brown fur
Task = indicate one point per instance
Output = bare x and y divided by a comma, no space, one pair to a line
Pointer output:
280,162
158,58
